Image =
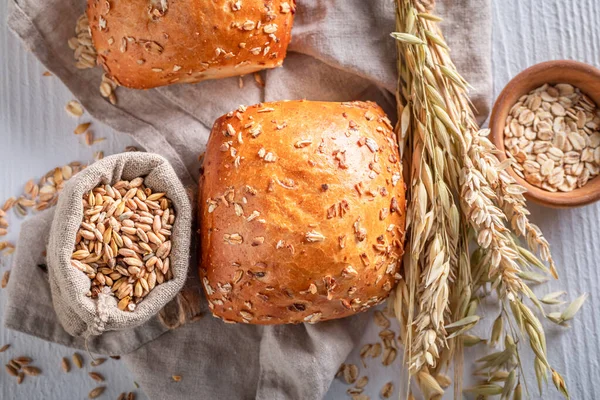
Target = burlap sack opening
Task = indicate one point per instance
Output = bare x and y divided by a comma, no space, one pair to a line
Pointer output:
79,314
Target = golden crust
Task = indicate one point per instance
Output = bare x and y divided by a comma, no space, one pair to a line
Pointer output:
302,208
148,43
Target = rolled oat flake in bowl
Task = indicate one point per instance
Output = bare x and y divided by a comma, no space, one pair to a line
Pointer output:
119,244
553,134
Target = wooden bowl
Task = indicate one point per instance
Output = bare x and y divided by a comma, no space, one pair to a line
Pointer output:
580,75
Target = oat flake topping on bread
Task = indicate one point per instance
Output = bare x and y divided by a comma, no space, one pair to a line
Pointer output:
302,210
148,43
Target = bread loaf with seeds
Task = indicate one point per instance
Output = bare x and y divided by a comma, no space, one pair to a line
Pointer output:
302,210
148,43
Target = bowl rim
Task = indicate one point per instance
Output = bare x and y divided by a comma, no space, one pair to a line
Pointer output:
574,198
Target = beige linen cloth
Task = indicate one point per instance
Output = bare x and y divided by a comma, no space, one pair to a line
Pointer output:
341,50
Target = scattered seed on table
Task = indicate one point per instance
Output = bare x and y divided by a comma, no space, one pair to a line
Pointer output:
381,320
375,350
32,371
387,390
362,382
66,366
89,138
96,392
23,361
350,373
77,360
97,362
11,370
74,109
389,355
352,391
96,376
81,128
5,278
177,378
4,348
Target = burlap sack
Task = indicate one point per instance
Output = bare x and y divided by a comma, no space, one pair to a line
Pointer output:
84,316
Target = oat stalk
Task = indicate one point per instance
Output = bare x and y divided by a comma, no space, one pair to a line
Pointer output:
458,187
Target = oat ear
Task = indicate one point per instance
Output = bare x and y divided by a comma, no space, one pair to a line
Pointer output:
458,190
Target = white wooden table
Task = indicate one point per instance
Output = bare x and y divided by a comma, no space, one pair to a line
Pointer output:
36,135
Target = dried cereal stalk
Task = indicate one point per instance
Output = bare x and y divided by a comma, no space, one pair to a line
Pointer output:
458,186
433,214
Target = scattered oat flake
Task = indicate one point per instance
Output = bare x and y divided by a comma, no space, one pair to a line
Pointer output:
4,348
74,109
350,373
105,89
389,355
47,73
176,378
381,320
362,382
387,390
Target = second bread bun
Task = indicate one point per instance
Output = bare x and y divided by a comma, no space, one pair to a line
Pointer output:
148,43
302,212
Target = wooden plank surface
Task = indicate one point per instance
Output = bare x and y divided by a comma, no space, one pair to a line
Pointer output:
36,135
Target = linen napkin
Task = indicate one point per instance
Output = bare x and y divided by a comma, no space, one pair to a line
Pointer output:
341,50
